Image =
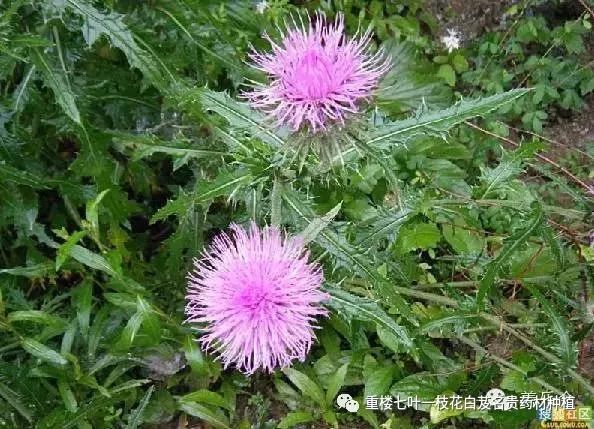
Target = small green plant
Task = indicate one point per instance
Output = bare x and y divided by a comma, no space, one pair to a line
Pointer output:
534,54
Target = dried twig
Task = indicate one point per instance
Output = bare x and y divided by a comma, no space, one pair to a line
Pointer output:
588,8
564,170
549,140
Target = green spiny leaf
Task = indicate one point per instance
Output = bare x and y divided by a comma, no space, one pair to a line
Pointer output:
20,177
204,396
276,203
348,255
336,382
384,225
217,420
295,418
67,420
318,224
82,298
67,396
509,167
226,183
136,416
92,259
177,19
566,347
367,310
436,123
31,271
147,145
58,83
239,115
306,385
441,121
514,242
36,316
112,25
15,401
65,249
43,352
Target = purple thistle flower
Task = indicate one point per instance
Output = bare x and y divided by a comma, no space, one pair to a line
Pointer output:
258,297
316,75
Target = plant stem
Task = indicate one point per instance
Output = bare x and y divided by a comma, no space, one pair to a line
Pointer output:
471,283
506,363
513,325
559,167
547,355
426,295
503,325
566,212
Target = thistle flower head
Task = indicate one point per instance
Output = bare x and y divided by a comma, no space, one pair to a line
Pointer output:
257,296
317,76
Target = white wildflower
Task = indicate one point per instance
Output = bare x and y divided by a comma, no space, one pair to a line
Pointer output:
261,6
451,41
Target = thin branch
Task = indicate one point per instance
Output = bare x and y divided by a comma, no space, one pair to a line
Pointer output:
565,171
506,363
588,8
549,140
496,321
472,283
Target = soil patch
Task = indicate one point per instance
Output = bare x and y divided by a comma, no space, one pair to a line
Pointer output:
470,18
575,131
